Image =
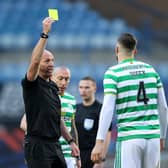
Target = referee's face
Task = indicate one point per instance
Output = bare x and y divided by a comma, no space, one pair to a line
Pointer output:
87,89
46,64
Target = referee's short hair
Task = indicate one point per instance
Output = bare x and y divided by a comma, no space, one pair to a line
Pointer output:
89,78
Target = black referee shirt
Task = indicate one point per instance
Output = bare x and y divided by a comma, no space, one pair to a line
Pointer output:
43,109
86,120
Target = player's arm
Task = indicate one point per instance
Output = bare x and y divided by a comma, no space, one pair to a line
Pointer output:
33,69
104,152
106,144
23,123
106,115
74,132
163,114
65,133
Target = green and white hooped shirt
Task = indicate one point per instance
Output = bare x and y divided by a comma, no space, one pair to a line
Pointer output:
68,109
135,83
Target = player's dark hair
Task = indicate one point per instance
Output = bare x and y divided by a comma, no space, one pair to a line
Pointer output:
128,41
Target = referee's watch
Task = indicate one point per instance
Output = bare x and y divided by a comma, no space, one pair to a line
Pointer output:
44,35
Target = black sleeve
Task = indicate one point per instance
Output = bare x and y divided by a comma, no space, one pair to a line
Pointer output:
26,83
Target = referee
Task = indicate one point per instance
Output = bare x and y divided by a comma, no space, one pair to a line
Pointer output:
86,120
43,110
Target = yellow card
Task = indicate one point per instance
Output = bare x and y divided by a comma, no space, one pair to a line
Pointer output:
53,13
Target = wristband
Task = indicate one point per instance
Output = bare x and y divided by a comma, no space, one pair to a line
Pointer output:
70,141
44,35
77,157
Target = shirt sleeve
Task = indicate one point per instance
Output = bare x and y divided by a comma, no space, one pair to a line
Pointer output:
159,83
163,112
110,82
106,116
26,83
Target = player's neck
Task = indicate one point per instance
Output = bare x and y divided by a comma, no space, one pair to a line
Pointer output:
124,57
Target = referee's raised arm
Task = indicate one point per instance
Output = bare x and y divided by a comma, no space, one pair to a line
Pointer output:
38,50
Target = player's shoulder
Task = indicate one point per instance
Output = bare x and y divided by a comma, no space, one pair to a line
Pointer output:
114,67
69,96
143,63
112,72
146,65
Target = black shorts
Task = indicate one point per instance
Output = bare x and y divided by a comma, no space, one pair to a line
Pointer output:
42,154
85,158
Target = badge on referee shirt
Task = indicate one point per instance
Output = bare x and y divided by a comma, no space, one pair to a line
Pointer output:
88,123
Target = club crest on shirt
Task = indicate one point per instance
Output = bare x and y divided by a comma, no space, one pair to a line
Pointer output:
88,123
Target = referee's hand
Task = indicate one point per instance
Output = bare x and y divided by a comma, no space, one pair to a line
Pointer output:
47,23
96,155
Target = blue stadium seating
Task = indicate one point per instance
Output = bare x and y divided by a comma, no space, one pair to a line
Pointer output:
78,27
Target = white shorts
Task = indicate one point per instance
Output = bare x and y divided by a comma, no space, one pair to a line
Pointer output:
138,153
71,162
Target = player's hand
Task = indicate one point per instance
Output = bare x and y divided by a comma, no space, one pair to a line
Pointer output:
162,144
47,23
75,149
96,155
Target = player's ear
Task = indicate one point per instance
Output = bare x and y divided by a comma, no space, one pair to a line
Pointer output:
135,52
116,50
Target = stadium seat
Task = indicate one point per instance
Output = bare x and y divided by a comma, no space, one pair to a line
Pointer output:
77,20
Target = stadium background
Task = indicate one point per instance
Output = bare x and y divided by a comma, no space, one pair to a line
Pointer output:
83,39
